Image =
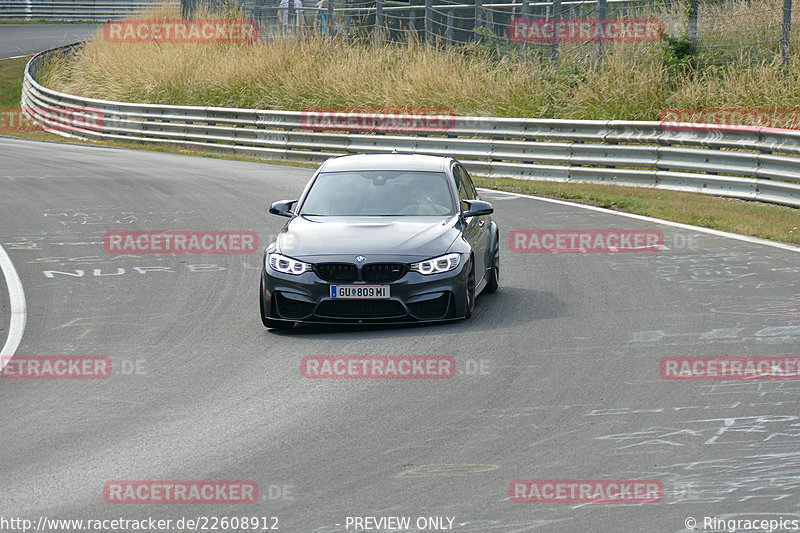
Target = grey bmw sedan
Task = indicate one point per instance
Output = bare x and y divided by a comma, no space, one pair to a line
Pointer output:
380,238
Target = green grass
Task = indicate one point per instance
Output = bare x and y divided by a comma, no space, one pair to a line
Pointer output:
11,72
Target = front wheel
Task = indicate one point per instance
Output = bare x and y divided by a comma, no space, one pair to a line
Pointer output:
469,303
493,280
268,322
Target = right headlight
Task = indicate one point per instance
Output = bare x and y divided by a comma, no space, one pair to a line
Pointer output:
287,265
437,265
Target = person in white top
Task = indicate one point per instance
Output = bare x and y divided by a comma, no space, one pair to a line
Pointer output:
283,12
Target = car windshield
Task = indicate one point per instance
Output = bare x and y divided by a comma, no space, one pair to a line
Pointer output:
379,193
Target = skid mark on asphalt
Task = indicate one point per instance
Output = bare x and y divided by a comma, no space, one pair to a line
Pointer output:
446,470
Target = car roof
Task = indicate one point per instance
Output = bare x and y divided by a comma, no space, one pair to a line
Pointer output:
411,162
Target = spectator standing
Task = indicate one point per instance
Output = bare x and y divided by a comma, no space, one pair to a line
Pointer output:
321,18
283,13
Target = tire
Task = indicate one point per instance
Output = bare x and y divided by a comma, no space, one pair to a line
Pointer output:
493,281
469,303
268,322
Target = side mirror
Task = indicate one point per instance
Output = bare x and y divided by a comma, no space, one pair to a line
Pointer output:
477,208
282,208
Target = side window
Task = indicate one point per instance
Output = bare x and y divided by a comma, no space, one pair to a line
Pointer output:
470,186
464,184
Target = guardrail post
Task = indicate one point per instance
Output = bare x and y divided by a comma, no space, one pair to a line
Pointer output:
187,8
526,13
448,32
378,16
258,13
786,28
347,21
330,16
601,15
478,19
691,29
428,21
556,17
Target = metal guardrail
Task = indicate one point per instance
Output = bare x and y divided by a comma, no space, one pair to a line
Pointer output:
73,10
756,165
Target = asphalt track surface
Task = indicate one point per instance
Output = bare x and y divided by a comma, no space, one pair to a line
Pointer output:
570,385
23,39
558,372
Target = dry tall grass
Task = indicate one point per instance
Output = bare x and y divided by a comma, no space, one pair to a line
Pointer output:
632,82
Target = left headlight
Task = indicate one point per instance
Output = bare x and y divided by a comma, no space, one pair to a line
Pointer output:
287,265
437,265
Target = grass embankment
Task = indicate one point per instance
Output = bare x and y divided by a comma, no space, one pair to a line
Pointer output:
472,80
635,81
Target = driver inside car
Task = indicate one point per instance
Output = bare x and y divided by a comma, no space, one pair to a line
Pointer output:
423,202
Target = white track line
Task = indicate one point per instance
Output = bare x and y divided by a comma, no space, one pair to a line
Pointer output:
18,308
16,57
745,238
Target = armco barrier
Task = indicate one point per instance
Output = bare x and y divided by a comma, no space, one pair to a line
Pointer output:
73,10
756,165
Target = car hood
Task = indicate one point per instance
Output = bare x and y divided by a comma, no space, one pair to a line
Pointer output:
420,237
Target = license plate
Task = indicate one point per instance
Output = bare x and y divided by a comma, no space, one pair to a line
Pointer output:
360,292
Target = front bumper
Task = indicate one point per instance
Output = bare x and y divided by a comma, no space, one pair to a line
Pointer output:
412,298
